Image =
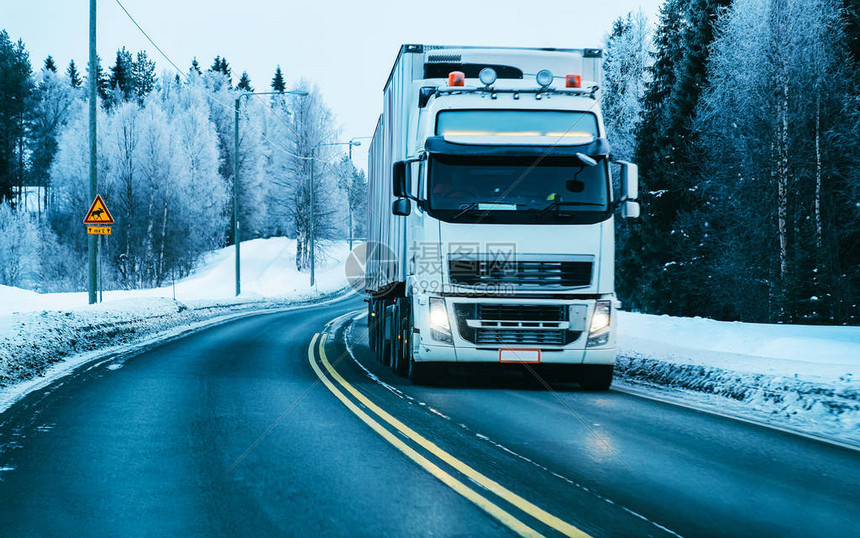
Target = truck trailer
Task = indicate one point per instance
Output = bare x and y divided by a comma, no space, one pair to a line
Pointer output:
491,213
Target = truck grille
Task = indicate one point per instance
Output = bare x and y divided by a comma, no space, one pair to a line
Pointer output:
506,324
520,273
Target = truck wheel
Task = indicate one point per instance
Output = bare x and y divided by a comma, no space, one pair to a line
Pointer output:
403,353
424,373
384,355
595,377
394,348
371,329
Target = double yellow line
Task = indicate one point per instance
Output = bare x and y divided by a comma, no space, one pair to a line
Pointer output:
490,485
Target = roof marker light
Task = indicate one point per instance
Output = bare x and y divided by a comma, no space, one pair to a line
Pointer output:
487,76
544,78
573,81
456,78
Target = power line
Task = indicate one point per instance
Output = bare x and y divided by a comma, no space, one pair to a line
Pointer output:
271,142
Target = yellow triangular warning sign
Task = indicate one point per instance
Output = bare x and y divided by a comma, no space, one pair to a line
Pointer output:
98,213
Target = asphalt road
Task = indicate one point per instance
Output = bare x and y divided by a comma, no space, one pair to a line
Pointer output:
244,428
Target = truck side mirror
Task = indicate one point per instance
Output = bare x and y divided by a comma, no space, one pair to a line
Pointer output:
630,209
629,180
400,175
629,190
401,207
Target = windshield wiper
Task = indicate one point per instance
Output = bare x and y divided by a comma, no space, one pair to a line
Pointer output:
557,205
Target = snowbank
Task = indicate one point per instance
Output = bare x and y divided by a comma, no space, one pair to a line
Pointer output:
38,331
804,378
268,271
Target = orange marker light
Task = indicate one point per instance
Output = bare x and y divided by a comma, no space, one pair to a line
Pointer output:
456,78
573,81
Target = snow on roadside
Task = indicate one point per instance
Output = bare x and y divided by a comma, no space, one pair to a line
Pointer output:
48,333
268,270
803,378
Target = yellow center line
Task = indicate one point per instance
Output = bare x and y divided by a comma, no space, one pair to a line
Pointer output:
512,522
489,484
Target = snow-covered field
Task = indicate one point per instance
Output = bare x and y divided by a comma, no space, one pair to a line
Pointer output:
803,378
47,334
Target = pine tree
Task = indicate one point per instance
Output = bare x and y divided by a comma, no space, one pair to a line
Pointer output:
74,76
852,28
278,83
103,81
683,38
15,90
195,67
143,76
122,76
245,83
625,73
220,65
50,65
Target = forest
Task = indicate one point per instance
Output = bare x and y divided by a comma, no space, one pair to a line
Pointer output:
744,117
167,153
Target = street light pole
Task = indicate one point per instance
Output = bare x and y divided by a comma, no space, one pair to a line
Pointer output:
92,246
236,238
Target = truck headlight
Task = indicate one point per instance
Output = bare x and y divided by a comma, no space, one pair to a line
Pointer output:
440,328
601,319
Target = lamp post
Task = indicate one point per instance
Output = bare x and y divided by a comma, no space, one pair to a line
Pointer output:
236,175
350,143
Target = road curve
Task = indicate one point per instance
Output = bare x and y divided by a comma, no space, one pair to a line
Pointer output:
235,429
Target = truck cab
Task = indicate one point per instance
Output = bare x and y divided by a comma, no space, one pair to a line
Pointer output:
492,214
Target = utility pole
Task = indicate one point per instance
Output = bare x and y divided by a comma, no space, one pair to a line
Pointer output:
311,241
92,245
236,197
236,238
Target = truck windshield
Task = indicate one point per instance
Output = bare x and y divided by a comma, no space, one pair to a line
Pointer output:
524,190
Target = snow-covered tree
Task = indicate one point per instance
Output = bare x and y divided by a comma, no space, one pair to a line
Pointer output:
19,245
625,74
244,84
778,127
310,127
49,110
143,74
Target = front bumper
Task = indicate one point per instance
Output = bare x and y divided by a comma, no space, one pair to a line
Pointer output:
463,350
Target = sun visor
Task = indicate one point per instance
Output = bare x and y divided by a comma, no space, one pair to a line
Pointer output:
437,144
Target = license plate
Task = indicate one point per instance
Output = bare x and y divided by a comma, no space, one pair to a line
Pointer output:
519,355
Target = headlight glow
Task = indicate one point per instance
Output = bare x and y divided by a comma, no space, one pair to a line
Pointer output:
440,329
601,319
438,314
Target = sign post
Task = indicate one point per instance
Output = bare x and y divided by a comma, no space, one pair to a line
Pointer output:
99,221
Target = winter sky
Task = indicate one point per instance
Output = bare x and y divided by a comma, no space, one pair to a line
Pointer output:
347,48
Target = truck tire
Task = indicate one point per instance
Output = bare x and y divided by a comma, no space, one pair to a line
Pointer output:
425,373
394,347
595,377
403,344
371,328
384,338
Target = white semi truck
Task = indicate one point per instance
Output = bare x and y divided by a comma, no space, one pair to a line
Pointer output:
491,214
